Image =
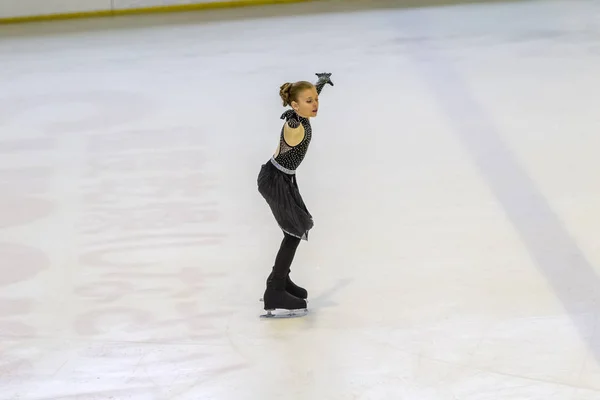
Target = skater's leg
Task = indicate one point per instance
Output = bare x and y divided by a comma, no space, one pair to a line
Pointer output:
285,257
286,254
275,295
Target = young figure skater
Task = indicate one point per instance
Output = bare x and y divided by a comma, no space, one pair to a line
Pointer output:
278,185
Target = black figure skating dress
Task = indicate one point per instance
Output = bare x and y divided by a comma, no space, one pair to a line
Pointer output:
277,181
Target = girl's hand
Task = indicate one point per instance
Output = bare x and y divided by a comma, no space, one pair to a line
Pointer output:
324,77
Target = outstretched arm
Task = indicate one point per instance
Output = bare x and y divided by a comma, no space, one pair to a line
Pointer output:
324,78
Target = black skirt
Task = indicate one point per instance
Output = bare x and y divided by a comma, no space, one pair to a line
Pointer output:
280,190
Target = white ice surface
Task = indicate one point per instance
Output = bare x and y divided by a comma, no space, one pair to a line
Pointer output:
453,175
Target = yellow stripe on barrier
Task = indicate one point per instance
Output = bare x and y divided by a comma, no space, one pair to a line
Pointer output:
144,10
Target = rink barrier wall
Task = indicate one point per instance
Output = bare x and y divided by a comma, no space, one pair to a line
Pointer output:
117,8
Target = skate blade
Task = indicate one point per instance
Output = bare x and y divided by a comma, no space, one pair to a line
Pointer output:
262,300
285,313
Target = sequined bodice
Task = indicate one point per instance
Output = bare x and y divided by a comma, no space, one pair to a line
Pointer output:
291,157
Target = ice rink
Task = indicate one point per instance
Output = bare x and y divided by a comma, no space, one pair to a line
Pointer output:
454,178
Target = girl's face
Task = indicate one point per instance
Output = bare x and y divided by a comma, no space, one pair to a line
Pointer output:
308,103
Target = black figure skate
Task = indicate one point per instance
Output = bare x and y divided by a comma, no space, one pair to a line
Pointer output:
291,288
277,298
294,289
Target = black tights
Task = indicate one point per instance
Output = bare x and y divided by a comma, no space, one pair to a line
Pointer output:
284,258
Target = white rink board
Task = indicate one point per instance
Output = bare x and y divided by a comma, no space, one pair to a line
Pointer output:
27,8
24,8
128,4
